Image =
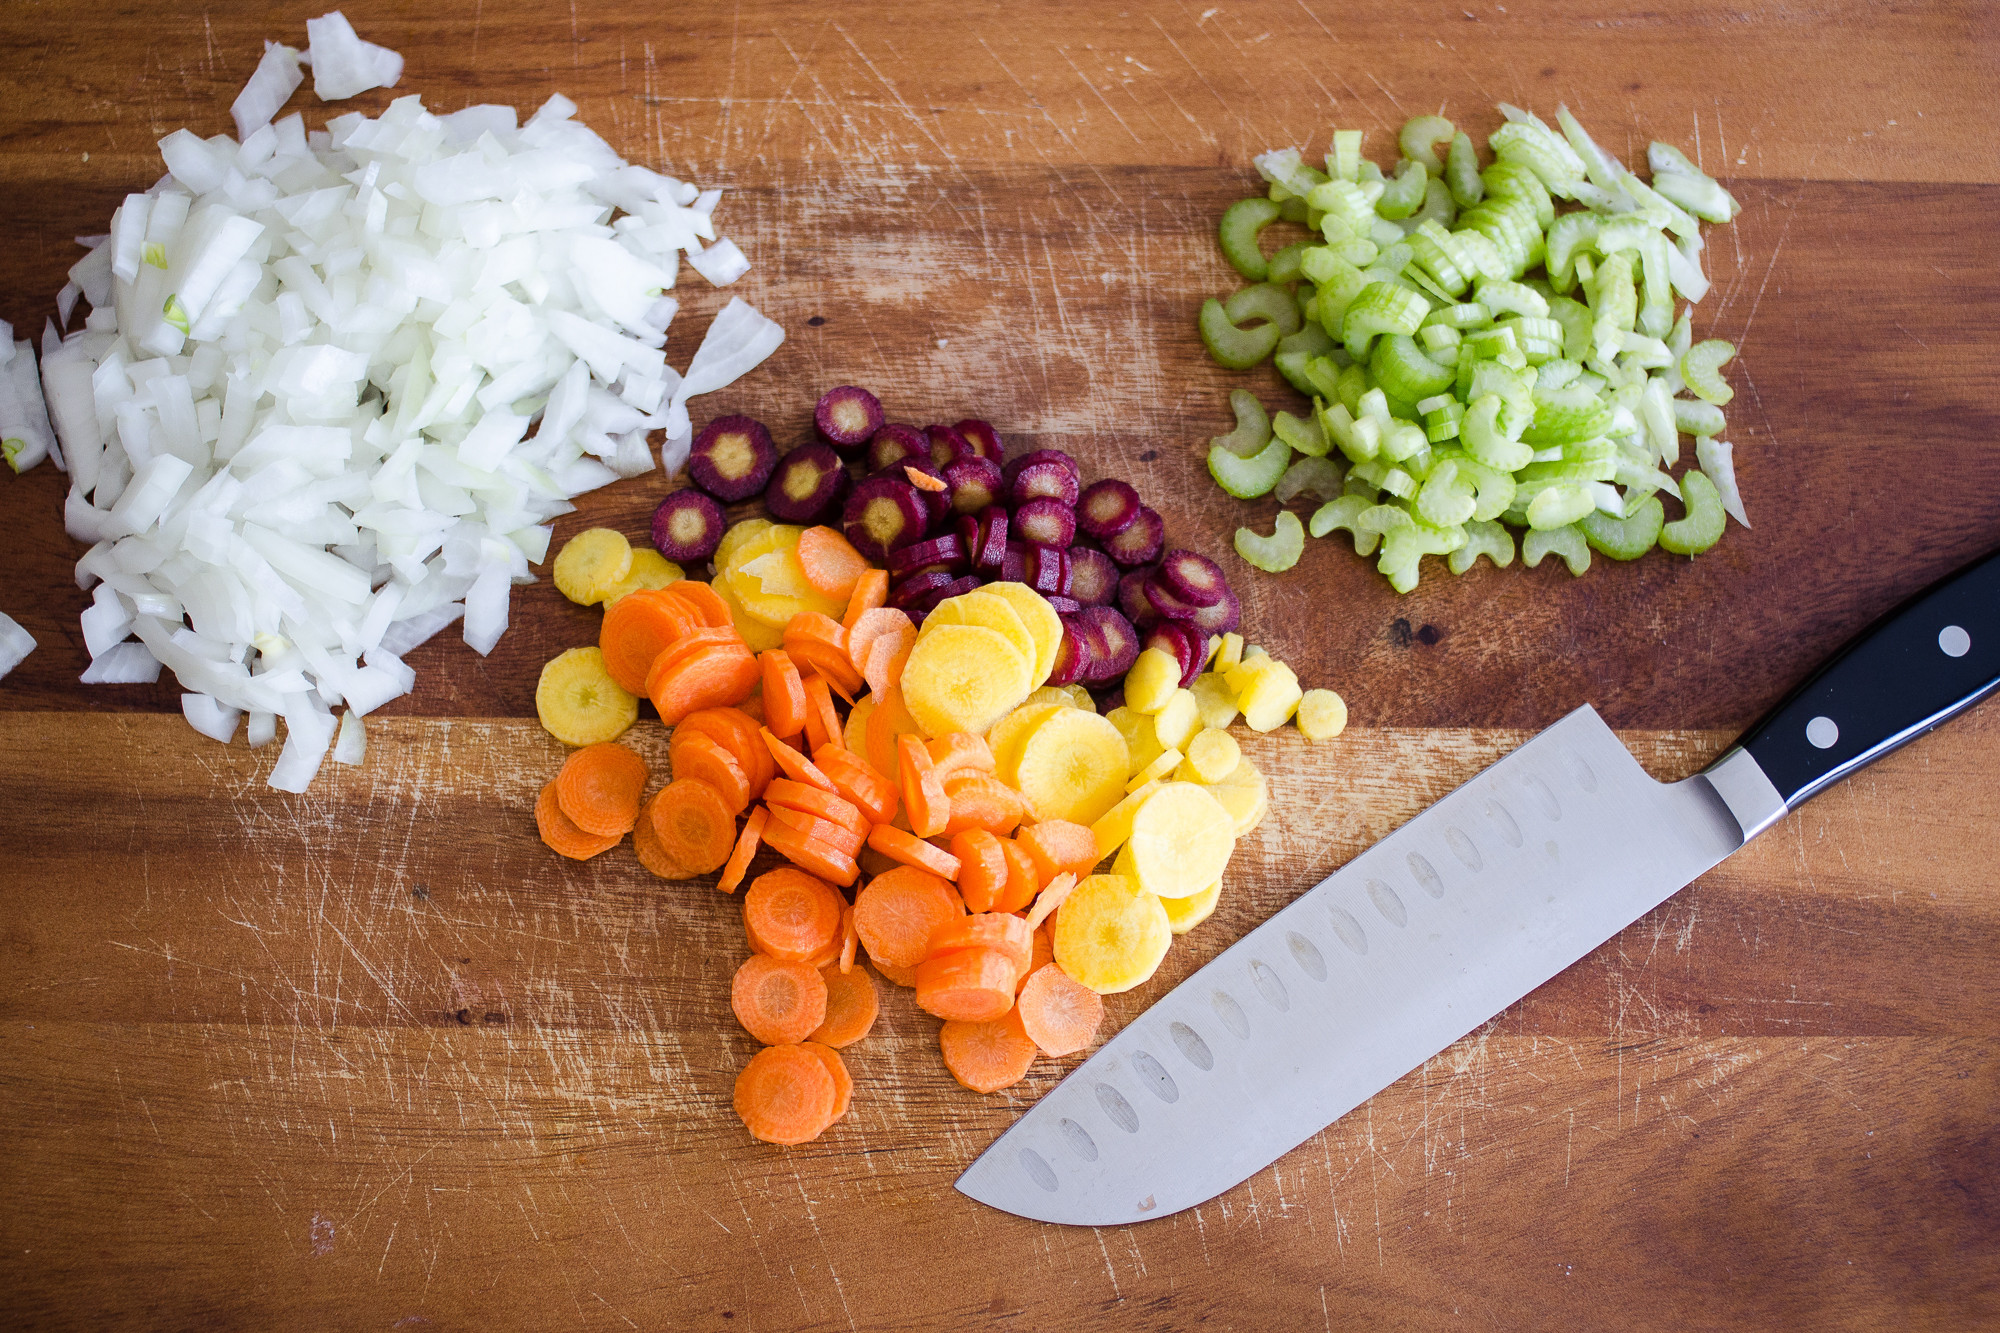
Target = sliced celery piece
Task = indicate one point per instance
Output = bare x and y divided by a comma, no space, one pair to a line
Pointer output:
1405,192
1247,478
1461,172
1237,232
1313,476
1420,138
1345,513
1234,348
1308,436
1560,505
1284,265
1687,185
1717,461
1702,527
1265,300
1446,499
1439,207
1278,552
1403,371
1694,417
1381,307
1482,538
1568,543
1701,368
1253,426
1345,161
1625,538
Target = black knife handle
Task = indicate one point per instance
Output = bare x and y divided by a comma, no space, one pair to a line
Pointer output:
1928,660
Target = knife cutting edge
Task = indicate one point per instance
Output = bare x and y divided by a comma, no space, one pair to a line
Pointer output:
1444,923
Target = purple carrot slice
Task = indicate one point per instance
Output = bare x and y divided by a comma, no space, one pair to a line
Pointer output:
1132,599
947,446
1195,579
1106,508
1063,606
1112,643
881,514
1183,642
687,527
1014,563
985,441
1221,618
1048,478
1093,579
1048,570
894,443
1165,601
807,486
1014,466
974,482
905,594
946,553
732,458
1140,541
1045,521
846,417
1069,662
991,553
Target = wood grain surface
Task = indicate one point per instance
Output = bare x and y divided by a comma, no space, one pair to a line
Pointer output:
371,1058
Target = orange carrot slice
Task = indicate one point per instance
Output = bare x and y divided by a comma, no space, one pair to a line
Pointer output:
850,940
822,722
892,842
637,628
886,659
960,751
740,734
1044,953
832,565
1000,931
786,1095
987,1057
1022,881
837,836
851,1006
746,851
694,824
600,788
870,591
784,693
790,914
843,1084
857,781
924,800
776,1001
982,869
704,601
796,766
967,985
705,679
873,625
905,977
1051,897
982,801
1057,845
890,720
562,835
817,802
646,846
810,854
698,756
896,912
1059,1015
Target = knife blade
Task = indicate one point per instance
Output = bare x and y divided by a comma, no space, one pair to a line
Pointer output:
1464,910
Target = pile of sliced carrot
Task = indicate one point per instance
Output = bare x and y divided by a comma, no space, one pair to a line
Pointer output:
952,882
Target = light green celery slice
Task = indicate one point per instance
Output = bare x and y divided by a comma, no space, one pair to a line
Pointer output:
1234,348
1247,478
1625,538
1317,477
1360,438
1268,301
1513,298
1402,440
1483,538
1253,426
1496,489
1656,292
1345,161
1404,547
1687,185
1442,421
1292,365
1701,368
1307,436
1404,193
1283,266
1353,386
1614,304
1420,137
1461,172
1511,180
1388,477
1568,543
1437,337
1237,233
1486,442
1541,152
1446,499
1381,307
1560,505
1569,236
1323,375
1695,417
1278,552
1349,208
1345,513
1402,370
1439,207
1442,255
1460,317
1702,527
1287,167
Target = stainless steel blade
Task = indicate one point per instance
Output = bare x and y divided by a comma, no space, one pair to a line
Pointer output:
1413,944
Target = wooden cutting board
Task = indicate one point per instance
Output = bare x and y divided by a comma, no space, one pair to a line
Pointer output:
371,1057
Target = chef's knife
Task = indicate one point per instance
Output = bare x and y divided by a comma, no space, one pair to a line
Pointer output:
1447,921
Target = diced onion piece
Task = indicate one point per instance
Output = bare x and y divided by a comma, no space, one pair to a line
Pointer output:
15,643
344,65
352,746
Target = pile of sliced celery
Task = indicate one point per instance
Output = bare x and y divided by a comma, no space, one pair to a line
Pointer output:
1477,355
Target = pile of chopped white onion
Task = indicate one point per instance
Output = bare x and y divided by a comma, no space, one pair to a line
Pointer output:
335,384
